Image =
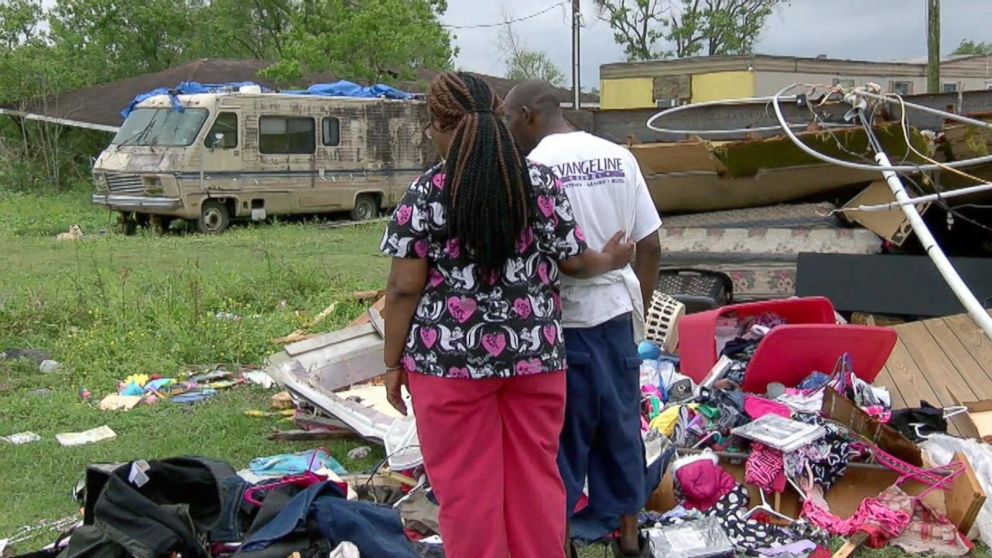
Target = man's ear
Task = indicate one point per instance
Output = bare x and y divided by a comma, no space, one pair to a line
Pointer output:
529,115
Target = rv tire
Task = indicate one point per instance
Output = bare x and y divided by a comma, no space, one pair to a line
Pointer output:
129,224
366,208
215,217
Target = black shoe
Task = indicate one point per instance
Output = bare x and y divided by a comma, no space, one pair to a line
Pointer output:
643,552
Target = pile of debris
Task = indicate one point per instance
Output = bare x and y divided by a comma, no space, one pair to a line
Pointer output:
764,435
783,442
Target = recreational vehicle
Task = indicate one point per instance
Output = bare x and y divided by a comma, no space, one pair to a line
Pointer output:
213,157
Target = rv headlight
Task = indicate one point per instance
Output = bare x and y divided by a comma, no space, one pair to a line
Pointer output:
153,184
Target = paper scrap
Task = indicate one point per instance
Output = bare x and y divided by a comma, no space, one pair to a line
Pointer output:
22,438
137,475
88,437
259,378
114,402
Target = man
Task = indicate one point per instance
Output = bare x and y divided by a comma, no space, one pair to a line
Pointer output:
601,440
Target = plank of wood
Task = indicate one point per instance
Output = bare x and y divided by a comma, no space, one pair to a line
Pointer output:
942,376
906,374
886,379
974,340
960,358
965,497
851,545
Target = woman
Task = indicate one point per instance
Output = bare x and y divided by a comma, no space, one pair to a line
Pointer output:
472,326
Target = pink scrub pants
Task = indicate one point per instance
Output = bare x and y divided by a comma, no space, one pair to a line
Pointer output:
490,450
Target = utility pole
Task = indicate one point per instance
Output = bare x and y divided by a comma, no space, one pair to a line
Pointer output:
933,46
576,23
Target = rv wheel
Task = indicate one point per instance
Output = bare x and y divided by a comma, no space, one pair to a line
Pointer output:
214,217
366,207
129,225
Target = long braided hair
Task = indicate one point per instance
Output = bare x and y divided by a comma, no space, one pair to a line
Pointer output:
487,184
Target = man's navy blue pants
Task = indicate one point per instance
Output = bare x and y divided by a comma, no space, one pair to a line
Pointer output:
601,438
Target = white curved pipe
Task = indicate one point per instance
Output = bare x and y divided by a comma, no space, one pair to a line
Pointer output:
750,100
947,271
784,126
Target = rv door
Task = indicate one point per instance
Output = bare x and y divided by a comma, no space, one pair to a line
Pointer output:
222,152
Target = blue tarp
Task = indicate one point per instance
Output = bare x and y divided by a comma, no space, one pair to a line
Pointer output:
186,88
349,89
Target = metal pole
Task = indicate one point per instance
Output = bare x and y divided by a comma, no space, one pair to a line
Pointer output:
933,46
576,20
944,266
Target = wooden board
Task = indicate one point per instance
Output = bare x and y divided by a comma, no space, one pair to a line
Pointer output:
902,374
943,361
943,377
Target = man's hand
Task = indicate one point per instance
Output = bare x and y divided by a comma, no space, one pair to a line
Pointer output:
395,381
619,249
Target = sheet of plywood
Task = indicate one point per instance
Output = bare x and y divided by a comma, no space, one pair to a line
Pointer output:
977,344
885,379
663,158
906,376
943,377
959,356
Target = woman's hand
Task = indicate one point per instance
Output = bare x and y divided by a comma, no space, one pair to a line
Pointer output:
395,380
619,249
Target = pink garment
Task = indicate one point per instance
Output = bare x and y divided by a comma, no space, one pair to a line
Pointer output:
757,407
490,448
765,468
873,516
703,484
879,413
928,531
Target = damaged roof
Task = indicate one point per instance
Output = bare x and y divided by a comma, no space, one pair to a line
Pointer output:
99,106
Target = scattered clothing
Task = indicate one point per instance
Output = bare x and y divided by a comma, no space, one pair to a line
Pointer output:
701,483
169,512
801,401
295,464
797,549
914,424
757,407
873,517
375,530
928,531
765,468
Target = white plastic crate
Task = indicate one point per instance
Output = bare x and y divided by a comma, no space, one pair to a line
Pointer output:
662,318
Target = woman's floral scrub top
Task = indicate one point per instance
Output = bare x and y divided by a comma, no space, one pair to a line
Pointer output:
501,326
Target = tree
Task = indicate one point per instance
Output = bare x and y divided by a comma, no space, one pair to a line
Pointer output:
247,28
693,27
637,25
372,40
115,39
968,47
522,63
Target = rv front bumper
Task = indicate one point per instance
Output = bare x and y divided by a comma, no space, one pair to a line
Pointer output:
135,203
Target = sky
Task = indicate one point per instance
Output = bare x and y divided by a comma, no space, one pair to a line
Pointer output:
850,29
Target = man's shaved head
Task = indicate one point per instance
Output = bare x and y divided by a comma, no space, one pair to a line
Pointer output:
533,111
539,96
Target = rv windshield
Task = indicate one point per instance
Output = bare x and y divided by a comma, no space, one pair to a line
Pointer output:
165,127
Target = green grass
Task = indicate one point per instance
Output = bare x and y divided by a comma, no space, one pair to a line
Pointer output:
111,306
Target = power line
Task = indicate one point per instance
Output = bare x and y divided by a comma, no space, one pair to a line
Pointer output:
489,25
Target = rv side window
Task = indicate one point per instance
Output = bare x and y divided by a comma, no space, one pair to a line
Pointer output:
279,135
227,126
332,131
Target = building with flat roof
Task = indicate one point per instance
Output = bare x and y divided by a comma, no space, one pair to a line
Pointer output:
671,82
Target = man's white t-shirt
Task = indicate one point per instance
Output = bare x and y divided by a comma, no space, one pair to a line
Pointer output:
608,194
